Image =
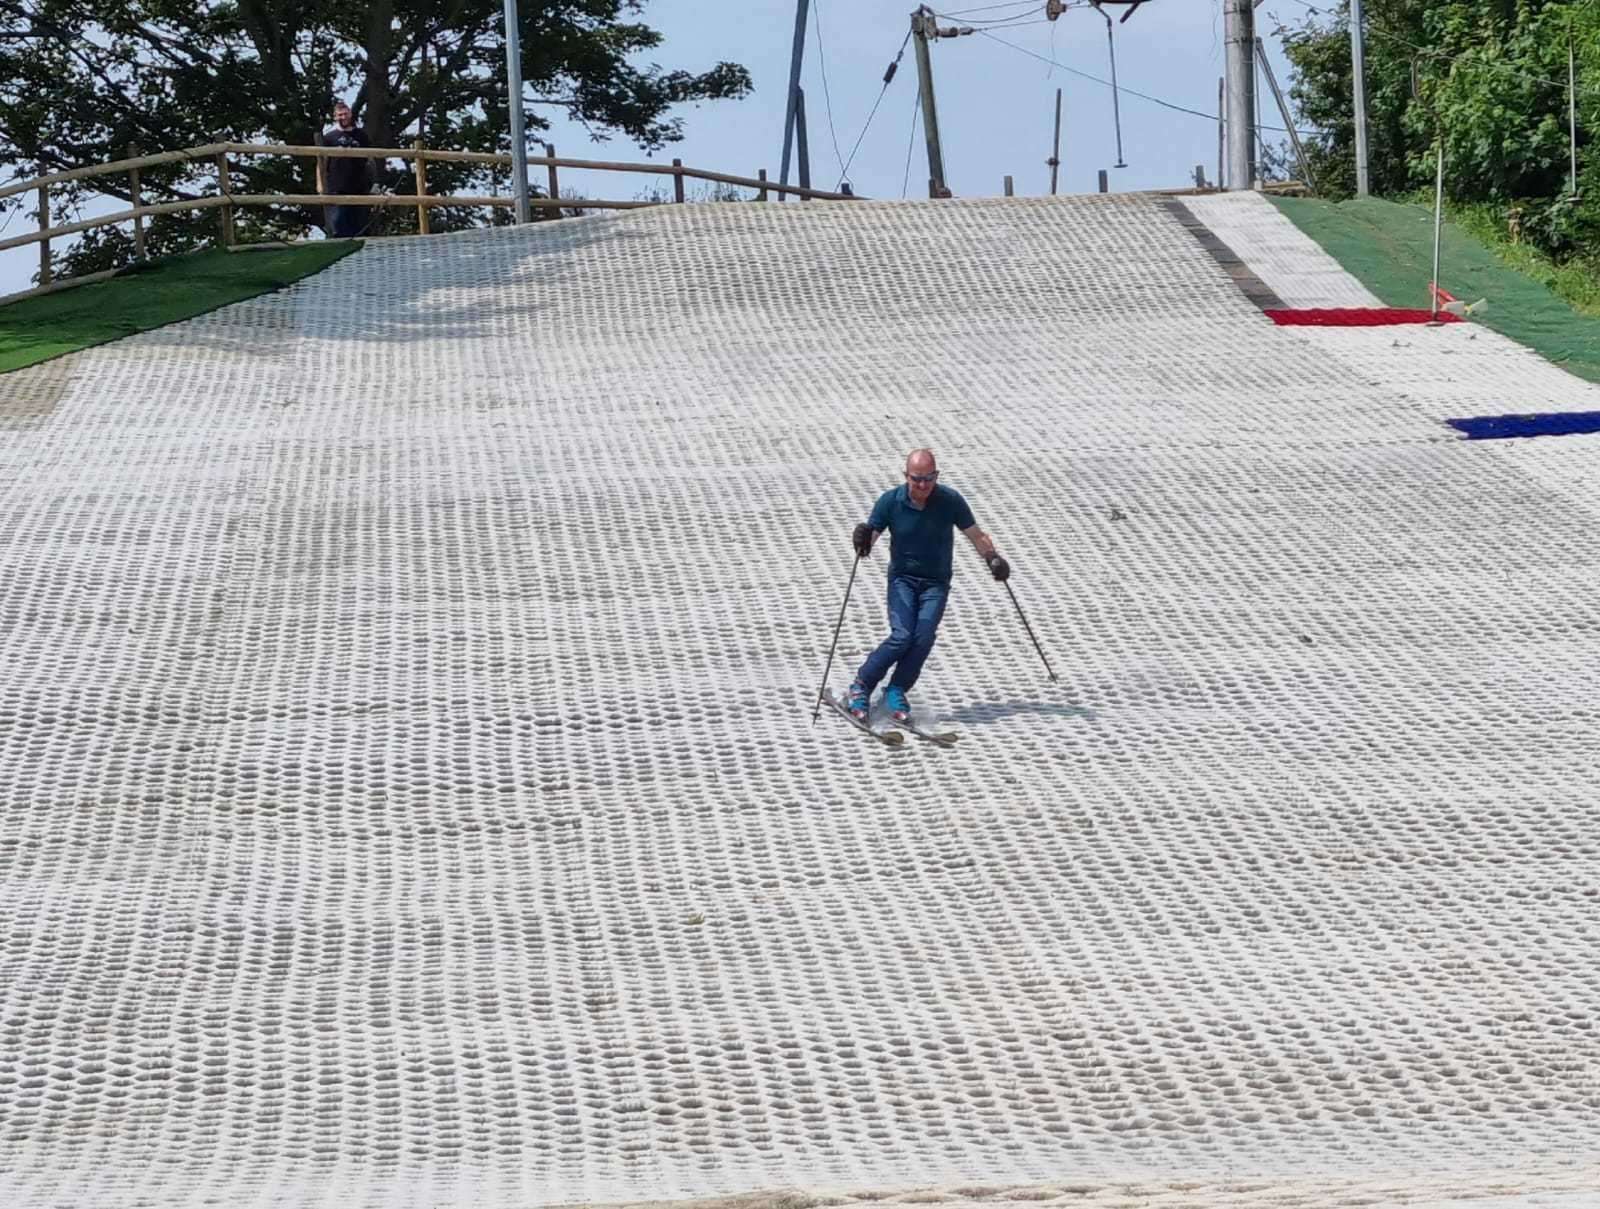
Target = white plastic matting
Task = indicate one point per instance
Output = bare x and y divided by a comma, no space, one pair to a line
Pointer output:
408,795
1295,268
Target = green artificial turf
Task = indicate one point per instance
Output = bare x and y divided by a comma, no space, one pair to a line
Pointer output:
151,296
1388,247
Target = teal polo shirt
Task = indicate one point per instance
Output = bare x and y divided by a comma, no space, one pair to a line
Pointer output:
921,540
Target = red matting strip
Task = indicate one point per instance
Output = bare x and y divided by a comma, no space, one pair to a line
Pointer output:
1355,316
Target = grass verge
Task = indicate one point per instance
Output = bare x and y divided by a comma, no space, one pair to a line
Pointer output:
1388,247
1576,280
150,296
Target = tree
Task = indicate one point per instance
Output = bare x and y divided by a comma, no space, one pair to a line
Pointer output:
1276,162
83,80
1485,78
1321,80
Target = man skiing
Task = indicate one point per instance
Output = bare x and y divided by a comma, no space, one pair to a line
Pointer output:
921,516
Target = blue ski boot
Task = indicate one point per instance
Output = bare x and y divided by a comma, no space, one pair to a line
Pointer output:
894,700
858,700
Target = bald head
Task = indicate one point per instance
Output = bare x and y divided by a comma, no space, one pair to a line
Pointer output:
922,474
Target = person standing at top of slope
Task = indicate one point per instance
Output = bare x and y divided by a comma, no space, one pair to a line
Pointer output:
921,516
347,174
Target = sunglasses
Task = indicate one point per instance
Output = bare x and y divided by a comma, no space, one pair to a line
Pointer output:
923,478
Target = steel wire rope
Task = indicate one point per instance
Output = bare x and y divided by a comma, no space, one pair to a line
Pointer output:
1017,24
1023,18
888,76
989,8
822,63
1029,16
911,143
1144,96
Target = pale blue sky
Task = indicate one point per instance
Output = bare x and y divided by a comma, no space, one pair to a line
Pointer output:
995,103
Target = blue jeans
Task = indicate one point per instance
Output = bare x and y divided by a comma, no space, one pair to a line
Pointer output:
348,222
915,608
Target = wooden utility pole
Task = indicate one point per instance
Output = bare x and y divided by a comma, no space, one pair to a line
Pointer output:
793,113
923,29
1055,148
802,148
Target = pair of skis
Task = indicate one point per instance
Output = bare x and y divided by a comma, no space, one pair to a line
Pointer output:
893,737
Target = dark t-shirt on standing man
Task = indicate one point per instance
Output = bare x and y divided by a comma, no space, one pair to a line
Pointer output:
347,174
921,540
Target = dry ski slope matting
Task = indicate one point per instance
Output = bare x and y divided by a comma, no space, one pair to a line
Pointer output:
409,794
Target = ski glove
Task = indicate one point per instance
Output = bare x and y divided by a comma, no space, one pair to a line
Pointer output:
999,567
861,539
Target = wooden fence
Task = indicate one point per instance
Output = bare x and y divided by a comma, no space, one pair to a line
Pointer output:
217,155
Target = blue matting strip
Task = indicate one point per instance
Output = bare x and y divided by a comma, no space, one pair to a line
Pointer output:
1553,424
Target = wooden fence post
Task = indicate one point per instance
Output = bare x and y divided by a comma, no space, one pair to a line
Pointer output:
422,187
555,184
762,195
133,198
44,225
227,190
228,200
322,174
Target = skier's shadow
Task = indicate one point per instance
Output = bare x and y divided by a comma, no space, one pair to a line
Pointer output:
994,711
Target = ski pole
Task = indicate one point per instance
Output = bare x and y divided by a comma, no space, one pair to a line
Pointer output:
1007,585
823,687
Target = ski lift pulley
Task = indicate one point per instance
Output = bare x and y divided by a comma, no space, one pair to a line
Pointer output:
1133,5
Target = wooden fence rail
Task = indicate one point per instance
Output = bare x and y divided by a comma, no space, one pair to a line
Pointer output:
139,161
215,156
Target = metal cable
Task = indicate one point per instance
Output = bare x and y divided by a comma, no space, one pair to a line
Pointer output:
822,62
989,8
916,117
888,76
1210,117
